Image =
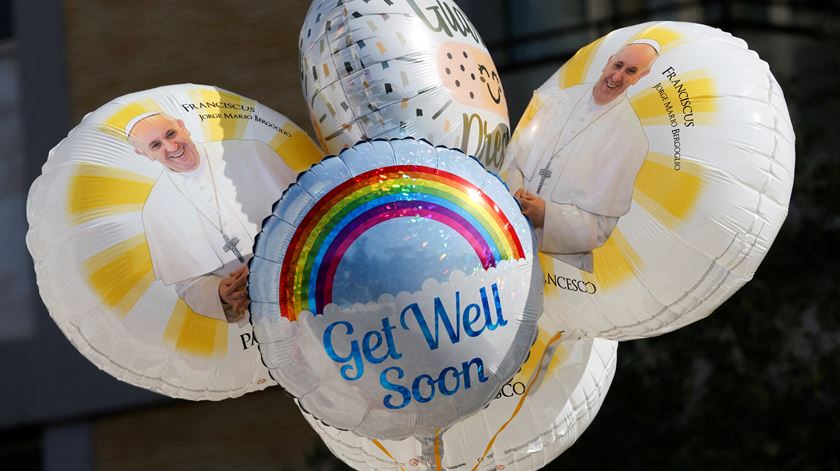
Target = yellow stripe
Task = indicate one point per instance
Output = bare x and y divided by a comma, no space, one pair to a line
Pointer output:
115,124
537,351
703,95
700,88
614,262
135,293
650,108
120,274
556,337
229,124
296,148
387,453
533,107
196,334
575,69
666,37
96,191
668,195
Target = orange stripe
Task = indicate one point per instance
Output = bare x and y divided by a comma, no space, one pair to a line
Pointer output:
438,466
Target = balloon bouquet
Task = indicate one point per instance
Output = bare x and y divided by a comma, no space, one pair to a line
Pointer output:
436,294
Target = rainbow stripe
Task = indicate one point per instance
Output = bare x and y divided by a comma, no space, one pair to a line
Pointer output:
350,209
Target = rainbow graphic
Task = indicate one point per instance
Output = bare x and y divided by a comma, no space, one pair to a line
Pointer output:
350,209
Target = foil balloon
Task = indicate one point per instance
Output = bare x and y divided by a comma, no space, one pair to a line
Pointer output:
394,69
140,216
394,288
657,165
535,417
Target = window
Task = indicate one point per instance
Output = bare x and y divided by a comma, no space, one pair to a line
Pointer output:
16,292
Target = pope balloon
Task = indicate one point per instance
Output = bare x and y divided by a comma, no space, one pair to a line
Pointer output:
141,226
656,166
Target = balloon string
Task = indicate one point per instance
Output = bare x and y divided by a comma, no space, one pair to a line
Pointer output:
385,450
437,450
531,383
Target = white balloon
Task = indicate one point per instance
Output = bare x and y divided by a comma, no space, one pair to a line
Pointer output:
537,416
694,160
413,68
91,246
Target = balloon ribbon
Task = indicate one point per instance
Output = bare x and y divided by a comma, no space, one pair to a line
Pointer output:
531,383
385,450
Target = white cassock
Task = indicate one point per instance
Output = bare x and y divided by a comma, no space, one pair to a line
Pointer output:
181,219
582,160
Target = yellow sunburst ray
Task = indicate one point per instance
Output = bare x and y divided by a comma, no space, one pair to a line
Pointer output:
533,107
695,93
115,124
536,353
575,69
666,37
666,194
227,111
193,333
97,191
615,262
121,274
295,147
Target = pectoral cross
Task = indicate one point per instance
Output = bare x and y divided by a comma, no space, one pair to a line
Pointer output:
230,246
544,173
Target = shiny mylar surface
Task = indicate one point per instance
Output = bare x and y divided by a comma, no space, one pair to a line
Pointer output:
415,68
393,289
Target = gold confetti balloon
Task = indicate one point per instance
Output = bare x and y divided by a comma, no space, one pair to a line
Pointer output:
413,68
657,166
141,213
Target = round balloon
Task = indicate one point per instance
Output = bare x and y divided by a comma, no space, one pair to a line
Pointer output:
535,417
394,289
657,167
143,215
394,69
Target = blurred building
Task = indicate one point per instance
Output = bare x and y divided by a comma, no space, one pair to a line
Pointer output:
62,59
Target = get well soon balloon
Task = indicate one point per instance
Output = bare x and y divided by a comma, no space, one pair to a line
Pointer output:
536,416
141,212
664,155
405,68
394,289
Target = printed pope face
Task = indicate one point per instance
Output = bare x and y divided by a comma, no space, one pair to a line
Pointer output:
165,140
623,69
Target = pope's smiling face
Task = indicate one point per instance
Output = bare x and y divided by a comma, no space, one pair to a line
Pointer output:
623,69
165,140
